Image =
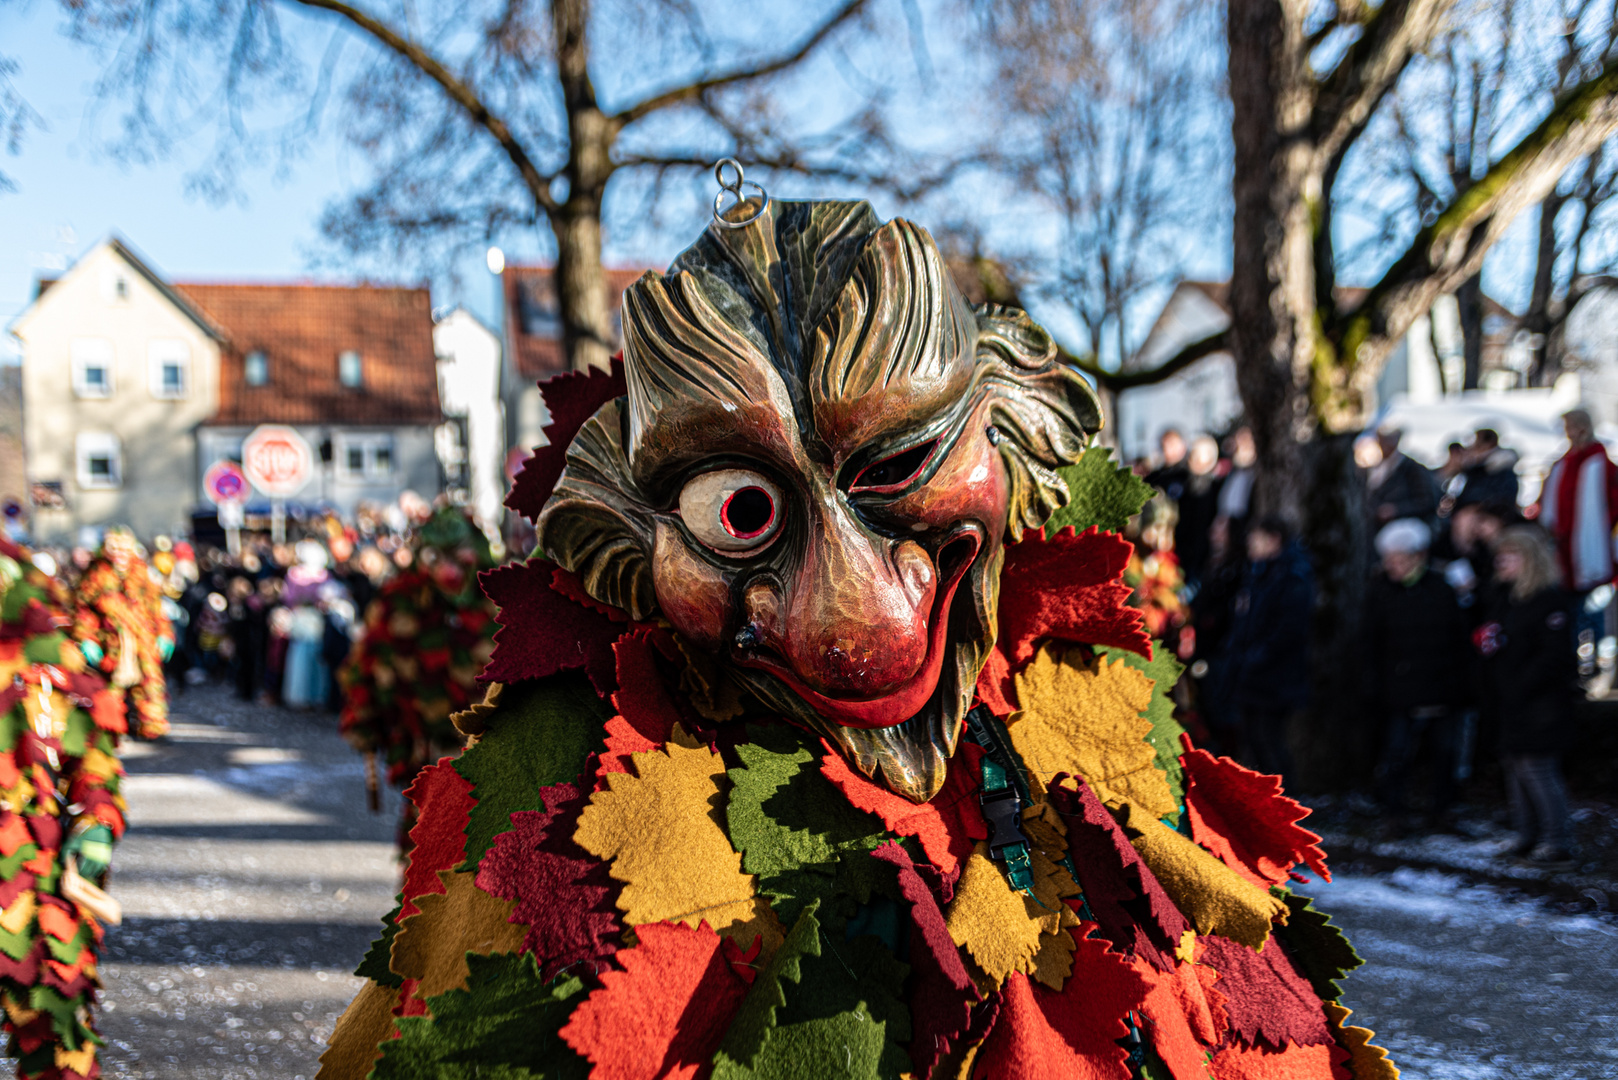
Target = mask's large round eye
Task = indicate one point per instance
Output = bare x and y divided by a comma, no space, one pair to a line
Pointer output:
731,510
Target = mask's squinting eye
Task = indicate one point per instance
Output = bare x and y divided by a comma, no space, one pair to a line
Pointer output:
731,510
894,472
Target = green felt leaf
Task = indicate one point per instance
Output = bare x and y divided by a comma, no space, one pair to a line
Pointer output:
76,736
1164,670
743,1043
795,830
375,966
1101,494
503,1026
539,735
1317,946
44,648
16,946
64,1013
12,864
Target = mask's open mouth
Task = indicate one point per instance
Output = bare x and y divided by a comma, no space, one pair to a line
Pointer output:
954,557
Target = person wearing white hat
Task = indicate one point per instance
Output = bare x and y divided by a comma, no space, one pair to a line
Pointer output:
1416,641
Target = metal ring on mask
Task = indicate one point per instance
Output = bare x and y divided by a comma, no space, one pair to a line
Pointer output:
736,188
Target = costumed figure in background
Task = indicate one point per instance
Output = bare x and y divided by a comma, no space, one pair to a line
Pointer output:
60,812
118,621
822,741
427,634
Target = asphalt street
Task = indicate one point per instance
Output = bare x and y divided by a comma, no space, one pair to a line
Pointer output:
253,878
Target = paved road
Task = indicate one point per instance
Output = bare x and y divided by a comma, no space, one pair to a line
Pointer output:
253,878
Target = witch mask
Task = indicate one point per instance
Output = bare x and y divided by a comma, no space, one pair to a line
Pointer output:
822,451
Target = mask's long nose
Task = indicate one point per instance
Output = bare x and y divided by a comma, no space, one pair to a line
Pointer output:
853,618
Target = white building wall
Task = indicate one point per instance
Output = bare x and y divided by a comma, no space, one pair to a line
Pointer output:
413,466
469,386
155,435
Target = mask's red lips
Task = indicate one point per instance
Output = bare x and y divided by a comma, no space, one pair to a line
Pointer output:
955,556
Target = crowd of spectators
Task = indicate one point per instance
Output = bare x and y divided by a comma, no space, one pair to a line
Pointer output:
1483,619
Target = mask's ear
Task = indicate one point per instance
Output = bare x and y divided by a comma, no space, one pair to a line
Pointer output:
1044,410
597,524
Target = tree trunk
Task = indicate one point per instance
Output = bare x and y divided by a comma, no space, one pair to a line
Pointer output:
581,287
1543,366
1272,281
1469,299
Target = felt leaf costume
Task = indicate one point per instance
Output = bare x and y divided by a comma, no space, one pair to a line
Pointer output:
59,791
427,635
816,746
118,617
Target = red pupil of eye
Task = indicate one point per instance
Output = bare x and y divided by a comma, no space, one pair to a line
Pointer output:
747,513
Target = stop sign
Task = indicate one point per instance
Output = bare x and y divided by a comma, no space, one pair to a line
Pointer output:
277,460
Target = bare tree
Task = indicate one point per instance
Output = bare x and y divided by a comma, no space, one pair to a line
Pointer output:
1114,117
481,116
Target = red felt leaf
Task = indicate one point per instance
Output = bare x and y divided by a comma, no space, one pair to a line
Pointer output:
1242,817
542,632
942,992
1086,1018
996,689
946,826
444,804
666,1012
1068,587
1266,999
572,398
647,712
1178,1019
571,587
1134,912
1262,1063
563,894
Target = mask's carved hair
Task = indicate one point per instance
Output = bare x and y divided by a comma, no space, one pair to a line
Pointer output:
796,316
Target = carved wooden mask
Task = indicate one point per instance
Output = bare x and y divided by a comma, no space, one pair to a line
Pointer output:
822,450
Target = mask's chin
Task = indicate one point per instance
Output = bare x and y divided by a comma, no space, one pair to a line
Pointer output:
912,757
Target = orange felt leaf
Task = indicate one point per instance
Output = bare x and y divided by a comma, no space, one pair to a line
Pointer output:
1178,1020
1261,1063
666,1012
946,826
1086,1016
1242,817
41,864
13,833
57,923
8,770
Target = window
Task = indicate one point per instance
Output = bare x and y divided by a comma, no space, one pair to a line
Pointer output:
348,369
169,368
92,367
120,288
367,457
256,368
100,460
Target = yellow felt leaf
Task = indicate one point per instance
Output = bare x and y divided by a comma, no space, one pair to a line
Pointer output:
432,944
353,1049
1216,898
98,763
1084,718
81,1061
20,915
1054,961
1365,1062
659,829
990,919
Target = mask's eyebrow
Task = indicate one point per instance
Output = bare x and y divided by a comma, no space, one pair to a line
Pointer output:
698,384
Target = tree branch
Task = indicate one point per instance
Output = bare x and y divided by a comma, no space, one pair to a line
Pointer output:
1451,249
1370,67
698,89
1128,380
537,183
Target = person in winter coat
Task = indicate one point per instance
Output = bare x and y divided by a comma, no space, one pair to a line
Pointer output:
1416,638
1268,649
1530,682
1579,507
1492,474
1399,486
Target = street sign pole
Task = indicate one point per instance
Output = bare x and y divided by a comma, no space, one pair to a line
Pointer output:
278,521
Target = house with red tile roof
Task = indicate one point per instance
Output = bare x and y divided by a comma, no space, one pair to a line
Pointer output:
133,385
533,344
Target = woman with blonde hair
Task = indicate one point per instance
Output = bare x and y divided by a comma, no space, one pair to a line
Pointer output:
1531,665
